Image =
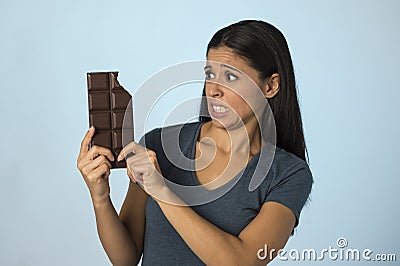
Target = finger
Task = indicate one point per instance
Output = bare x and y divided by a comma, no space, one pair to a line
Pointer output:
98,150
145,169
128,172
137,176
132,147
100,160
137,158
127,149
134,176
107,174
92,164
148,157
86,141
99,173
142,164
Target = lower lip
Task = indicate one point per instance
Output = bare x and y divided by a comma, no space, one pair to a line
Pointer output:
216,114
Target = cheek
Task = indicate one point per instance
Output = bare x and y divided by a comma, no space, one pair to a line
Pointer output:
250,99
240,104
244,91
207,88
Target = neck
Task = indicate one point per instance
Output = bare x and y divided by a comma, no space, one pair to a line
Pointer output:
242,139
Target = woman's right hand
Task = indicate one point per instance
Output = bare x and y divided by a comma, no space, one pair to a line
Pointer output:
94,165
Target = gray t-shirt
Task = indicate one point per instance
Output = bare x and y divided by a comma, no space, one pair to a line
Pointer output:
288,182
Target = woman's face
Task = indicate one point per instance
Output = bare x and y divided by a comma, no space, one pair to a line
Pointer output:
232,89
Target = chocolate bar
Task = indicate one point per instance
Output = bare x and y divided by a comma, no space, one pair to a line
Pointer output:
110,112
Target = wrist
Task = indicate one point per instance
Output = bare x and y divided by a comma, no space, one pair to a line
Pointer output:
99,202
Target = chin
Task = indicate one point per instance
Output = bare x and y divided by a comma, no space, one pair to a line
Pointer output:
217,124
226,124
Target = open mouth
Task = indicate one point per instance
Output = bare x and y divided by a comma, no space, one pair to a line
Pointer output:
219,108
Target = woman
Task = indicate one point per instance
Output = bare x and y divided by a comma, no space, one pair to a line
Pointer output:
154,220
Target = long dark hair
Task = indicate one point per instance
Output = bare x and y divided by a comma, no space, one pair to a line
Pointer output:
265,49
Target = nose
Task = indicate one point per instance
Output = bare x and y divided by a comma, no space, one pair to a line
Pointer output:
214,90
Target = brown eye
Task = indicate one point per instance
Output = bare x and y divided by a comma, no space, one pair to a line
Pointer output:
209,75
231,77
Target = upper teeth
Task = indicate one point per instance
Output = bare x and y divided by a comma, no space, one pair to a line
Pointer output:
220,109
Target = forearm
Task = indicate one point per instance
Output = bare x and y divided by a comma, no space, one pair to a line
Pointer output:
211,244
115,238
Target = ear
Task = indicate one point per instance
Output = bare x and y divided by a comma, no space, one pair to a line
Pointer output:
271,86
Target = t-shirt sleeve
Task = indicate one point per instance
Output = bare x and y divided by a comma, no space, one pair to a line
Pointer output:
292,188
147,140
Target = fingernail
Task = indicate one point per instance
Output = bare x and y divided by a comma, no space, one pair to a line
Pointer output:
119,157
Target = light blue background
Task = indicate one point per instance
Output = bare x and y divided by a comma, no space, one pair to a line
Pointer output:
346,61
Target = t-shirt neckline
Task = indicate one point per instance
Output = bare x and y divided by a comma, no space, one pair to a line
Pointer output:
193,172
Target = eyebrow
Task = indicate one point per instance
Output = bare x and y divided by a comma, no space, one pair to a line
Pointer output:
223,65
230,67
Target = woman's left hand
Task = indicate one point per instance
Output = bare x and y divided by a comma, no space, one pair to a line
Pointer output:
143,168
